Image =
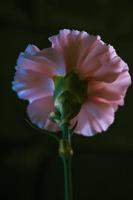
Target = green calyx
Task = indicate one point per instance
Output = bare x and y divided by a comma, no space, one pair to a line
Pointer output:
69,94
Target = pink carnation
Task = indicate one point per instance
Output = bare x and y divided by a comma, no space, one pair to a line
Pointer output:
93,60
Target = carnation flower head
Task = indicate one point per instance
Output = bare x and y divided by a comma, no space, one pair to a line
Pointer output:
100,84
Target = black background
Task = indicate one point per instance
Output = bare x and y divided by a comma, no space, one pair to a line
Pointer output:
29,165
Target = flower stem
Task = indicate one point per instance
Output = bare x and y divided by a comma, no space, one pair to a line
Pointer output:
65,151
67,178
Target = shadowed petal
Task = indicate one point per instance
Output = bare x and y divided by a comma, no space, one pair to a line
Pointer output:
56,59
94,117
32,49
69,44
110,92
101,62
88,55
39,111
32,85
48,61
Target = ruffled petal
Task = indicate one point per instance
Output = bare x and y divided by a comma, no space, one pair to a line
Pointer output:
69,44
32,49
47,61
110,92
100,62
88,55
39,111
31,85
94,117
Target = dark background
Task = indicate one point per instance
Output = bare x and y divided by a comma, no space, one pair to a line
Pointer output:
29,165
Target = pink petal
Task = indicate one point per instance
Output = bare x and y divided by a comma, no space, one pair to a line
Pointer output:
110,92
101,62
47,61
88,55
94,117
56,59
59,41
32,49
31,85
39,111
69,43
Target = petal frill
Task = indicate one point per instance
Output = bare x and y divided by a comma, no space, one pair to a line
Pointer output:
110,92
31,85
69,44
92,60
32,49
101,63
88,55
39,111
47,61
94,117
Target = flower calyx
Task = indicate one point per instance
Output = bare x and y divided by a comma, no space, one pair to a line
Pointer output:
69,94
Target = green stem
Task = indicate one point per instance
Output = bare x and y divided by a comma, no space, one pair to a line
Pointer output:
67,178
65,151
